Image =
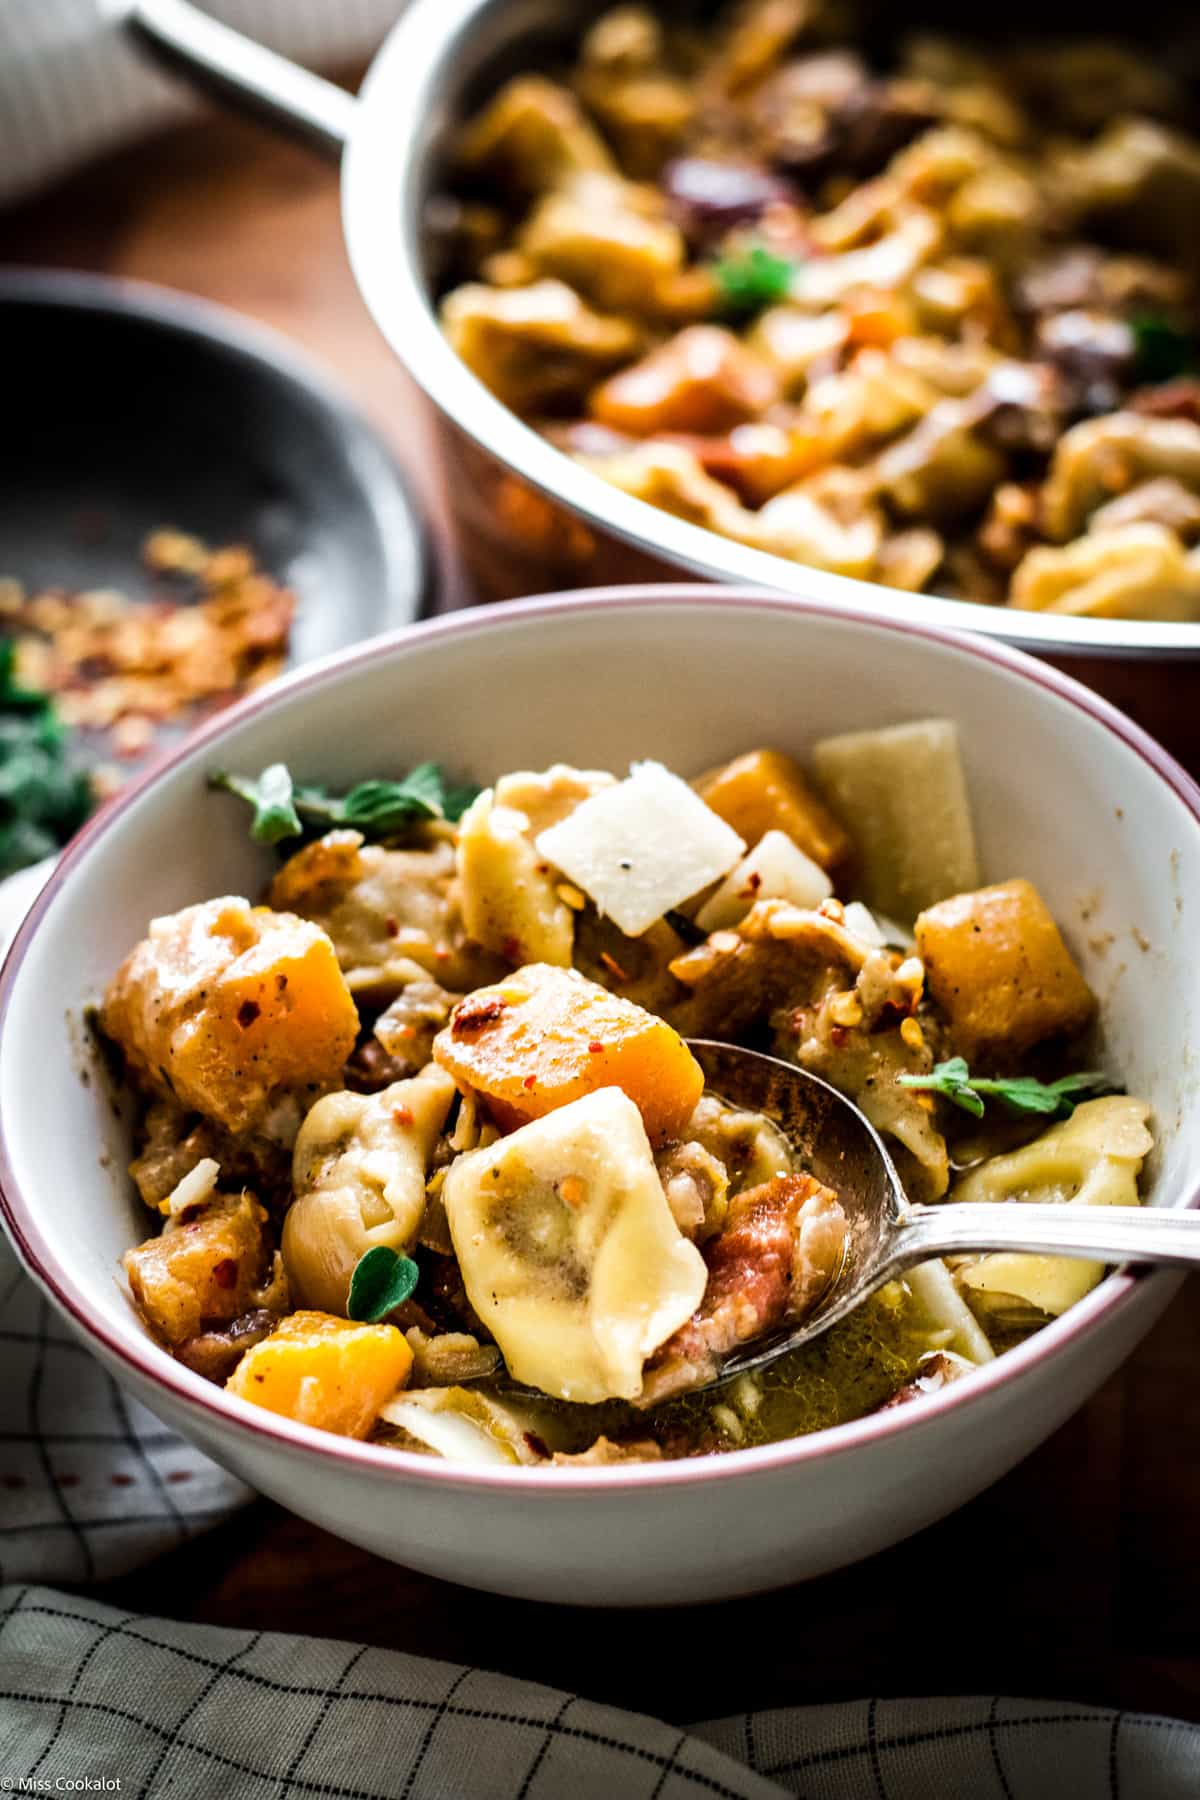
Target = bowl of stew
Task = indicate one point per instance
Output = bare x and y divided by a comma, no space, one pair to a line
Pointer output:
349,1112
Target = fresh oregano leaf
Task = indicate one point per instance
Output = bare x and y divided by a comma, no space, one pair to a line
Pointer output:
273,799
379,809
382,1281
1020,1093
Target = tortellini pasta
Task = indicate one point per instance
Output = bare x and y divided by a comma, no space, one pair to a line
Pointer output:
1093,1158
569,1251
359,1171
510,894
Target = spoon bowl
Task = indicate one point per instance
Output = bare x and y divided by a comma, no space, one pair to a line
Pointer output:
837,1144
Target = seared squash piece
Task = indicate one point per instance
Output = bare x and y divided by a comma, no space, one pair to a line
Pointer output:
548,1036
225,1005
996,965
205,1271
767,791
325,1372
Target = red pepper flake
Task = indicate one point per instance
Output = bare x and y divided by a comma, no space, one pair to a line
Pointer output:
281,982
392,926
529,1082
442,954
403,1115
247,1012
473,1013
754,881
595,1048
510,950
613,966
838,1035
225,1272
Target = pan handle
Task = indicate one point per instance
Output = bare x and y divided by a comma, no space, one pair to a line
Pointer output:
223,62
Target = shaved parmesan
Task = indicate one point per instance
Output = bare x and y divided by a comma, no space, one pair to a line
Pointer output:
776,869
196,1187
861,923
642,847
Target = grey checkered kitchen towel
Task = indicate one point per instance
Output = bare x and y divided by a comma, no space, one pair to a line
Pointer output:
94,1700
72,86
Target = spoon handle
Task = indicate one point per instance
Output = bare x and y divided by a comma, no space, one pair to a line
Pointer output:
1112,1234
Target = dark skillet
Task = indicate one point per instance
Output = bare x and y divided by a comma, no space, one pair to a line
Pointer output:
129,407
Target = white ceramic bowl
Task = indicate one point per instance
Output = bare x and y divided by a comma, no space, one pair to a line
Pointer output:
1065,791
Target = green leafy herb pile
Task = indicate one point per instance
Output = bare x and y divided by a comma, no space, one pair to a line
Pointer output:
1020,1093
284,808
43,798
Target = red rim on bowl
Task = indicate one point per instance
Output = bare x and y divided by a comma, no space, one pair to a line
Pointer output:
201,1397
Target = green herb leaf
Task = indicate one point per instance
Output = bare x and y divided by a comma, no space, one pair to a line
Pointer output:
1162,350
753,278
1020,1093
951,1079
382,1281
455,800
272,798
387,806
379,809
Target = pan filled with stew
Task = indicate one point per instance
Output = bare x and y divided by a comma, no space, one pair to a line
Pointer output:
851,303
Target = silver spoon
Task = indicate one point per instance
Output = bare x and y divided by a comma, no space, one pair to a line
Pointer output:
840,1147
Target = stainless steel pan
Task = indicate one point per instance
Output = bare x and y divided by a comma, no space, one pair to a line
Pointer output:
530,517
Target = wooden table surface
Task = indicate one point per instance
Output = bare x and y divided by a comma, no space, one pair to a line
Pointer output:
1076,1577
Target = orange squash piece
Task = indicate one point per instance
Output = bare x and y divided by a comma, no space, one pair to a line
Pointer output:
764,790
547,1036
224,1004
206,1272
996,965
702,380
326,1372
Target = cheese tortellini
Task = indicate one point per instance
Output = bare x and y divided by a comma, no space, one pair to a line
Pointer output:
569,1251
359,1171
1093,1158
510,894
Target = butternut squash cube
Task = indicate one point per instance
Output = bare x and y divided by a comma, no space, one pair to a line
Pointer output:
768,791
548,1036
996,965
326,1372
205,1272
225,1004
